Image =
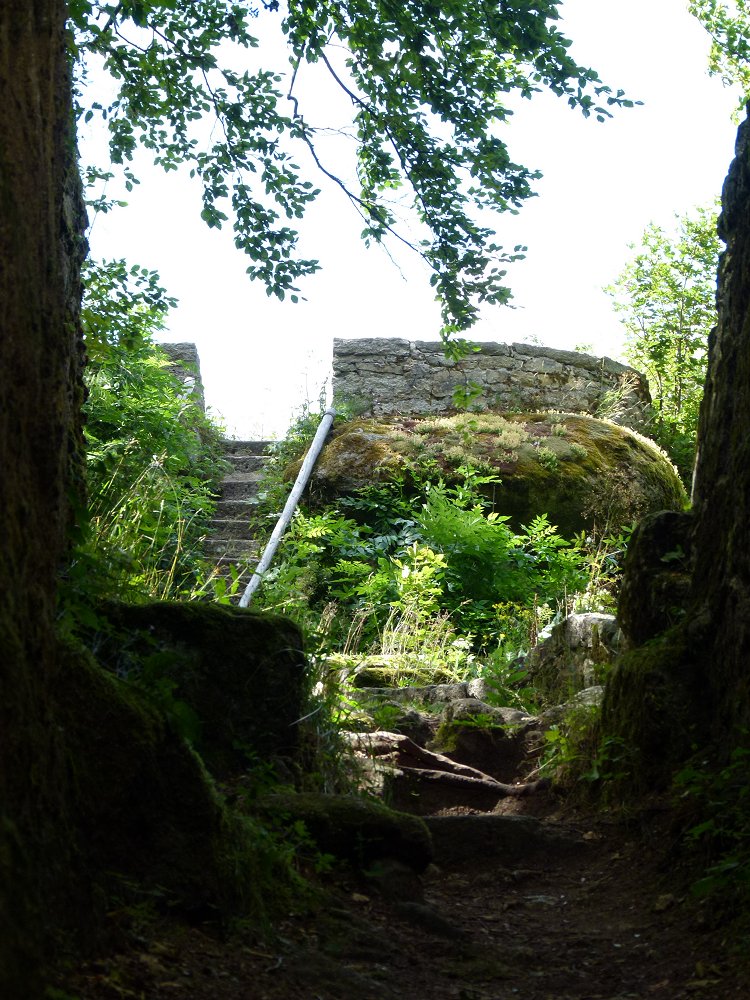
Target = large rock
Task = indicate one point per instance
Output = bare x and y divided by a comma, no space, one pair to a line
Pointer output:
656,581
234,677
721,540
690,686
355,829
581,471
576,654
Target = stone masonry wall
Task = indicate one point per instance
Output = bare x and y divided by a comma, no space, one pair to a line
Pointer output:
186,365
382,377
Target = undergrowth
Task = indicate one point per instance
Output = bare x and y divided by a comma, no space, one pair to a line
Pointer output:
419,581
713,798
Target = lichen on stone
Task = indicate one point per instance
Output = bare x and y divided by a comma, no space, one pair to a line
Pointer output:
581,471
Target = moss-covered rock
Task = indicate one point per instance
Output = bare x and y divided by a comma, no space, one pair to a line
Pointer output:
353,829
121,810
126,816
389,669
656,582
240,674
492,740
141,799
653,710
579,470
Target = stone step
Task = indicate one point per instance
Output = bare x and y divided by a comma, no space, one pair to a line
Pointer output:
240,487
230,527
229,510
231,549
245,463
246,447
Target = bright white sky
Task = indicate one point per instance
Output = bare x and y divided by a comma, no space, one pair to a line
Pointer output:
602,184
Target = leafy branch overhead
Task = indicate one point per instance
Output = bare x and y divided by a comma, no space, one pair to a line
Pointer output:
429,86
728,24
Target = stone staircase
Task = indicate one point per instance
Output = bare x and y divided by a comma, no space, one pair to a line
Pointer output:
230,541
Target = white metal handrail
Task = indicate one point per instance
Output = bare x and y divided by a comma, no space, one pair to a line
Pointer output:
291,505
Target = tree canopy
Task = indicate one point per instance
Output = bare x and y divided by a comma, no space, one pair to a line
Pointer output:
666,297
430,87
728,24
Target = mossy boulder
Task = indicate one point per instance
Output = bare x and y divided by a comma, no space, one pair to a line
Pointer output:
233,677
353,829
144,821
579,470
654,710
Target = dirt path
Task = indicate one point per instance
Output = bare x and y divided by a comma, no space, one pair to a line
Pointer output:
575,910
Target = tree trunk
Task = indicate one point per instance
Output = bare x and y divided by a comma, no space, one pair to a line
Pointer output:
41,243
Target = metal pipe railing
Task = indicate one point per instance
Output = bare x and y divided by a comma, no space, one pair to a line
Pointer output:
291,505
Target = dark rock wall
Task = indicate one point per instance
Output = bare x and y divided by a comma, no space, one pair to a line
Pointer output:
688,685
721,579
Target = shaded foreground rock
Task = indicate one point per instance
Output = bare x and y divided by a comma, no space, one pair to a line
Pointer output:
355,829
656,583
689,687
145,817
240,673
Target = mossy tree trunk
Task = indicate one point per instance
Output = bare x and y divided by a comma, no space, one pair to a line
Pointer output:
41,242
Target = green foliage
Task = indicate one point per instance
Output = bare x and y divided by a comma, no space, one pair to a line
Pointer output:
729,27
418,582
153,458
122,307
717,800
518,625
667,298
548,459
506,678
604,556
571,747
153,463
401,574
464,395
427,85
488,563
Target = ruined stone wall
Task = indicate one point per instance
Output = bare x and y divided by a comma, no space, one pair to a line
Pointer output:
388,376
186,365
